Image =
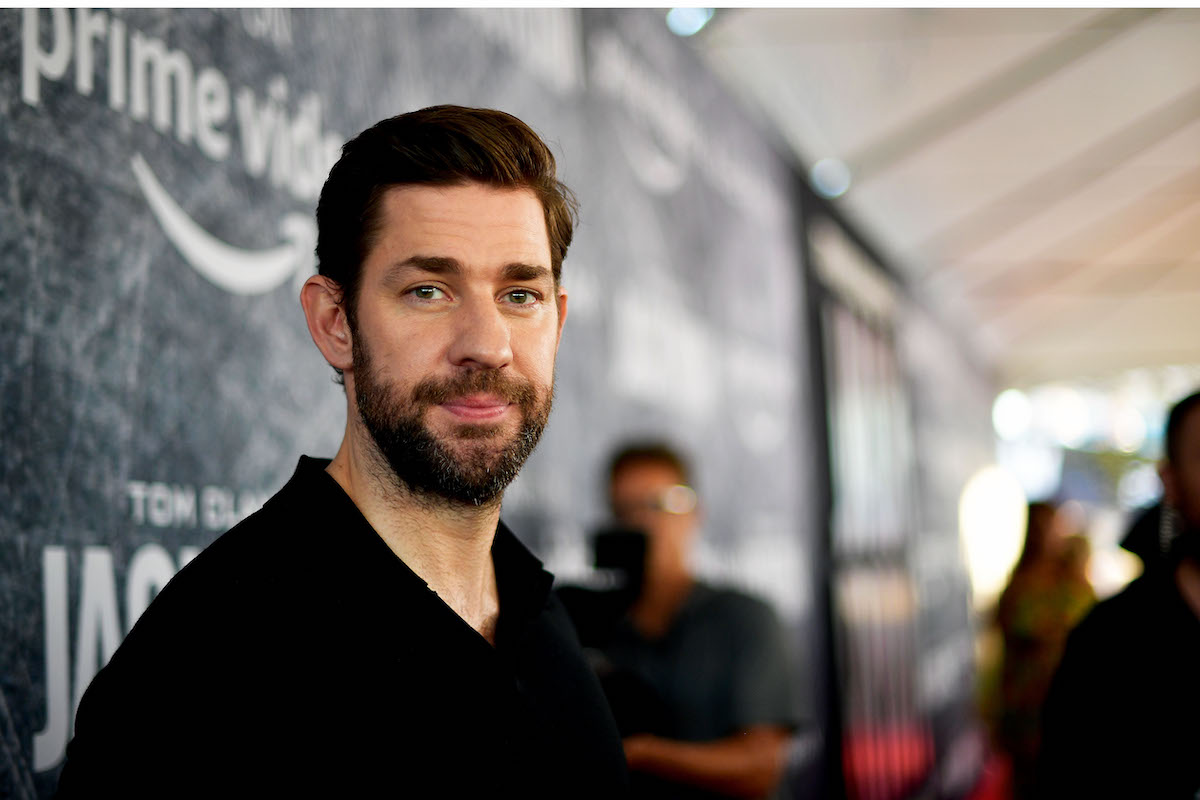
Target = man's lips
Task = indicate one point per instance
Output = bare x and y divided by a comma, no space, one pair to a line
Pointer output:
476,406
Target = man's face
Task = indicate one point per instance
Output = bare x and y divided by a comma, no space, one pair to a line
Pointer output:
456,329
647,495
1181,477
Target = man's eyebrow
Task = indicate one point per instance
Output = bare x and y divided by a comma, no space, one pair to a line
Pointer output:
437,265
526,272
444,265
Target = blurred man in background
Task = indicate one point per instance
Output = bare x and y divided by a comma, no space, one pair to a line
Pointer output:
698,676
375,630
1123,715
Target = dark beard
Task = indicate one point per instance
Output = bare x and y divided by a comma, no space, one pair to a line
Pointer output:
479,473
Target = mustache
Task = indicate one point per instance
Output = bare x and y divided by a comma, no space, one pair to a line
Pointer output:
435,391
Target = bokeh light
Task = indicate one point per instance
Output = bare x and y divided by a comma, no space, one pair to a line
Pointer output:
688,21
1012,414
1129,429
991,523
830,177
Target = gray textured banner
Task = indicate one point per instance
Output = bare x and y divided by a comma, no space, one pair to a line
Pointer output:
160,171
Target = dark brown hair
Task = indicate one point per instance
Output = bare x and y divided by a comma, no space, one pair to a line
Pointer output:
652,452
437,146
1175,421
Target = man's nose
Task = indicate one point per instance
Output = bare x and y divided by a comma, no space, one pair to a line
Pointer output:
482,336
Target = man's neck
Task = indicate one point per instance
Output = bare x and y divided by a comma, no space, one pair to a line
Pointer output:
447,545
661,598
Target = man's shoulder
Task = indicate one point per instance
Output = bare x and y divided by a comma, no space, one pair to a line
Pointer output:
1122,630
1128,608
248,547
283,524
254,559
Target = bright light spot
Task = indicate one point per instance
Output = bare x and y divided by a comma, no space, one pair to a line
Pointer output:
1067,416
1012,414
1037,466
830,177
991,523
1138,487
1129,429
688,21
1111,570
1110,567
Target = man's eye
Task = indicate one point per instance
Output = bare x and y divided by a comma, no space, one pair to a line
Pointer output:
521,297
427,293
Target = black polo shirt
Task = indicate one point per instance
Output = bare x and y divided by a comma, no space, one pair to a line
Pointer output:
298,654
1122,718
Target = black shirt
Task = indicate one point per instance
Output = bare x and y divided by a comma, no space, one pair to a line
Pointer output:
1122,718
298,654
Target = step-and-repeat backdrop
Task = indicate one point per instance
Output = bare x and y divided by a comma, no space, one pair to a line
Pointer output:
159,175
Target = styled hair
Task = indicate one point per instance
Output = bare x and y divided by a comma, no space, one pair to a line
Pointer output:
652,452
436,146
1175,420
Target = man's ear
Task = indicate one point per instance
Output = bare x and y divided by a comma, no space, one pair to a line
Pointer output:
1167,475
321,299
561,301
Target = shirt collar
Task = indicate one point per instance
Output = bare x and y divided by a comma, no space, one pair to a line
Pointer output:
522,582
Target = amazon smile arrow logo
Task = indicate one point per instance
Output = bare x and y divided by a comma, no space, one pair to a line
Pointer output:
238,271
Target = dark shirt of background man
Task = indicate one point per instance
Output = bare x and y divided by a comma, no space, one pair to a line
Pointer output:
375,630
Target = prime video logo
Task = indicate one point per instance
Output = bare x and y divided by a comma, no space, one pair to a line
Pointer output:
158,86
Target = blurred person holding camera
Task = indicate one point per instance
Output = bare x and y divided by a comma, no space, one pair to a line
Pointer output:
697,675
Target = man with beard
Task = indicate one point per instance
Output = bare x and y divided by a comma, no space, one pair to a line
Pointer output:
375,629
1123,715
